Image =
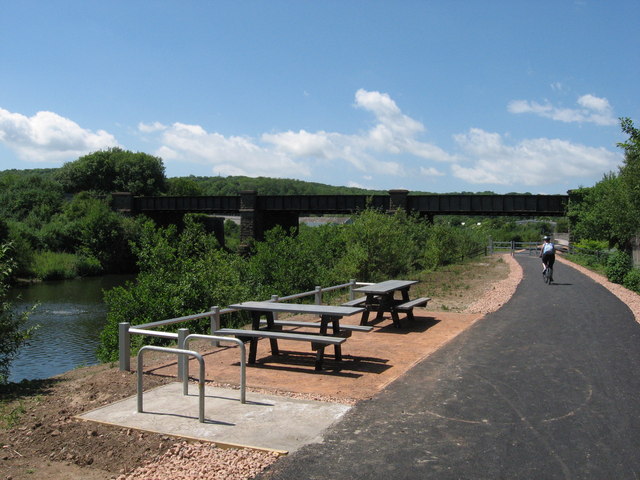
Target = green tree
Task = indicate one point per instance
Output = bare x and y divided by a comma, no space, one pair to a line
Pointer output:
630,170
12,332
379,246
87,226
31,198
184,186
114,170
180,274
603,212
610,210
284,264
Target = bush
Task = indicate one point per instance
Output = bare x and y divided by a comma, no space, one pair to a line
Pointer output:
632,280
59,266
379,246
12,334
447,245
618,265
180,274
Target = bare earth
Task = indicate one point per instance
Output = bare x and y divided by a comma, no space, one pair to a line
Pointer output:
47,440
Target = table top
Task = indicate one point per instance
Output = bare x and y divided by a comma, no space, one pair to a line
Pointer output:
333,310
386,286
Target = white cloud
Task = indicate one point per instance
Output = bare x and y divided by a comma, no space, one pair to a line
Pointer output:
532,162
591,109
431,172
151,127
226,155
48,137
293,153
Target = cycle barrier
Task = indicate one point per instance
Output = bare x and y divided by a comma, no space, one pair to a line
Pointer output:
185,389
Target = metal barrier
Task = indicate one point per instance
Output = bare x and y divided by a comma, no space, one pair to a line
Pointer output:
243,356
512,247
185,381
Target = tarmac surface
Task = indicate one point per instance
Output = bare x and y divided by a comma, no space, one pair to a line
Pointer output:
547,387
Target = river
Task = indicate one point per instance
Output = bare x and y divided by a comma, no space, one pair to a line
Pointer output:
71,315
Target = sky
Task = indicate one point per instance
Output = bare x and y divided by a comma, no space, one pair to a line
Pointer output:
424,95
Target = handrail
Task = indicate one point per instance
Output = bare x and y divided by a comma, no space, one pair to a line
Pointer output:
243,356
153,333
185,384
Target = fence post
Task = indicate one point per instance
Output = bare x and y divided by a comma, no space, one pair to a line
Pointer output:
274,298
215,324
352,294
513,247
124,346
182,334
318,295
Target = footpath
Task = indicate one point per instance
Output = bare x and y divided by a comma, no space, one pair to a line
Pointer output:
547,388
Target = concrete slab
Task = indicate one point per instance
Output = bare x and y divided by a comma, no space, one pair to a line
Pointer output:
267,422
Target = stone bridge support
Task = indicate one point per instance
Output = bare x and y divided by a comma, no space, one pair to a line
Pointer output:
255,221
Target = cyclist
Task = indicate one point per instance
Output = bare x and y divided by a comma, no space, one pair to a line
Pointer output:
548,254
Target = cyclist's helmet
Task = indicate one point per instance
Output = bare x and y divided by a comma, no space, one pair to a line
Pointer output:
546,238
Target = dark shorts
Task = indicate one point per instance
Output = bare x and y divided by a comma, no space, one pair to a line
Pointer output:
549,259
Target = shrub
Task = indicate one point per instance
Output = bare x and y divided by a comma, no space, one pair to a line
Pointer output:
59,266
632,280
379,246
618,265
447,245
180,274
12,334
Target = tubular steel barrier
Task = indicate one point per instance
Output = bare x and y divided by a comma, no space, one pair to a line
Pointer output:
185,381
243,356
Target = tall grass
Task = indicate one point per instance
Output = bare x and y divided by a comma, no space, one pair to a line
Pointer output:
59,266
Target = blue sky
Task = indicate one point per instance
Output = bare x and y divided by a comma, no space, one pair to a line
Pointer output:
439,96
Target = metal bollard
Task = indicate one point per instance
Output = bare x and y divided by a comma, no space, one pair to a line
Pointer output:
124,346
215,323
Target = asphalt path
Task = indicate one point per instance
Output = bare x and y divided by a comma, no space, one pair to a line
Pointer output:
547,387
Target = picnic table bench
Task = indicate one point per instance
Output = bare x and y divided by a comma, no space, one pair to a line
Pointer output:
272,329
380,298
345,330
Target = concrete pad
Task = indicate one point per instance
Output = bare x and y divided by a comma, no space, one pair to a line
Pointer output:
268,422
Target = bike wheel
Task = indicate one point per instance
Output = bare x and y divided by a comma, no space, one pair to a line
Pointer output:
548,276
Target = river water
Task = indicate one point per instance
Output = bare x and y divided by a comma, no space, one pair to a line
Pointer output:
71,315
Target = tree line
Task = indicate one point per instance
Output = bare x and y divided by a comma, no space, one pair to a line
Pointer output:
605,218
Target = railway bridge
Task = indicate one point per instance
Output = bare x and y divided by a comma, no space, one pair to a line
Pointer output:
259,213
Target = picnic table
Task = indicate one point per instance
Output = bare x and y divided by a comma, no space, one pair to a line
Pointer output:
330,331
381,298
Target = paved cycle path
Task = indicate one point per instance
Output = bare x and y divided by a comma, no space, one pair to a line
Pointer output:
547,387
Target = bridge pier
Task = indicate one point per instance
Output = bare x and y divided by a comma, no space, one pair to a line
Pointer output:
254,221
397,200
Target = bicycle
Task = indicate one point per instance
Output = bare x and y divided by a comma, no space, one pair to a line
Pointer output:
547,275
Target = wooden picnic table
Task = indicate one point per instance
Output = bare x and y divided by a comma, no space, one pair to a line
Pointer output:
330,316
381,298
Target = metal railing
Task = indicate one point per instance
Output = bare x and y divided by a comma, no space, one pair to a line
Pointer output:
512,247
125,329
